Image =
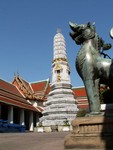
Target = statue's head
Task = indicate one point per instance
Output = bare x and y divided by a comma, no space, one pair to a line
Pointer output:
82,32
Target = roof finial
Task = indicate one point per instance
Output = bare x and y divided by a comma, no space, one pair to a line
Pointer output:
58,30
17,73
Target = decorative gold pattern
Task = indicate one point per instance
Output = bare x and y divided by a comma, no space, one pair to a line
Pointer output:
28,93
58,78
58,67
59,59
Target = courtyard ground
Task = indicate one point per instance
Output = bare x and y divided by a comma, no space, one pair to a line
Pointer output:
32,141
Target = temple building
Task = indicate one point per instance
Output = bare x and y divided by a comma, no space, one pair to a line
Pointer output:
26,103
61,104
22,102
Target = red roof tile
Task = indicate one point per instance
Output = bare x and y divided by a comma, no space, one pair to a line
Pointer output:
9,94
9,87
24,87
37,90
80,92
83,106
17,103
41,89
39,86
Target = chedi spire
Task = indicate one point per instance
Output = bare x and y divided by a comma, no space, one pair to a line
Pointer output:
61,70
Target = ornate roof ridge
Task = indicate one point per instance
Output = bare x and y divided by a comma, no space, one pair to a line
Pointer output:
19,90
24,87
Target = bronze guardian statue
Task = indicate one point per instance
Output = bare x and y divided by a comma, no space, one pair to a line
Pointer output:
91,66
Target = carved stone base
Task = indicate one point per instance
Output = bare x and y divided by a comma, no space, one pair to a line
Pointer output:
91,133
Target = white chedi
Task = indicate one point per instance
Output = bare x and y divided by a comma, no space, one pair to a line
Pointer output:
61,102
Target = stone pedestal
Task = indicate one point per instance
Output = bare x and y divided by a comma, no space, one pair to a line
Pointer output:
94,132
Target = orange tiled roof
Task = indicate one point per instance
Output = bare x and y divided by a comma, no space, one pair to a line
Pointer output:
35,90
23,87
41,89
17,103
81,96
39,86
9,87
17,92
79,92
10,95
83,106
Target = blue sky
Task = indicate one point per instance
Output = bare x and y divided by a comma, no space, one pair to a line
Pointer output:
27,28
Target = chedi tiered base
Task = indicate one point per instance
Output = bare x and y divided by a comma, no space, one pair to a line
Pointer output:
60,106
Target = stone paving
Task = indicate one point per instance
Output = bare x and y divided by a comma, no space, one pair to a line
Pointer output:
32,141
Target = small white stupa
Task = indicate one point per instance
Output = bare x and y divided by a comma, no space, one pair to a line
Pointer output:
61,103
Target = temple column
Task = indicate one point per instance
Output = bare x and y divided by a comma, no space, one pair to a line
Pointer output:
22,119
37,119
10,114
31,121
